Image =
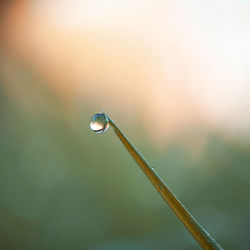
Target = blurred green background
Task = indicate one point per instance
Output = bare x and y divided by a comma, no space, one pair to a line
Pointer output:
64,187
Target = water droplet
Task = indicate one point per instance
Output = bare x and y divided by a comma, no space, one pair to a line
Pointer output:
99,123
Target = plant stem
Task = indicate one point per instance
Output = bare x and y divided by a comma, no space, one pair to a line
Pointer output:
196,230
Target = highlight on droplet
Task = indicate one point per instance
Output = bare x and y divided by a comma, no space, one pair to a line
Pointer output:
99,123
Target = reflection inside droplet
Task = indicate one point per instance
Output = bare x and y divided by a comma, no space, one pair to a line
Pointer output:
99,123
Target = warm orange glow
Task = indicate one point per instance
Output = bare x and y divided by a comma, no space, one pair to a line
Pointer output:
155,60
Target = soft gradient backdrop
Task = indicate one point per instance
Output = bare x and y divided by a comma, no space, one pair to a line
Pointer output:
175,76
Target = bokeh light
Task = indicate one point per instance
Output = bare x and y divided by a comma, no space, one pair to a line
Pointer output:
173,74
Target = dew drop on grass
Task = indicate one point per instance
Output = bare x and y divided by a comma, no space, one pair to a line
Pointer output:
99,123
